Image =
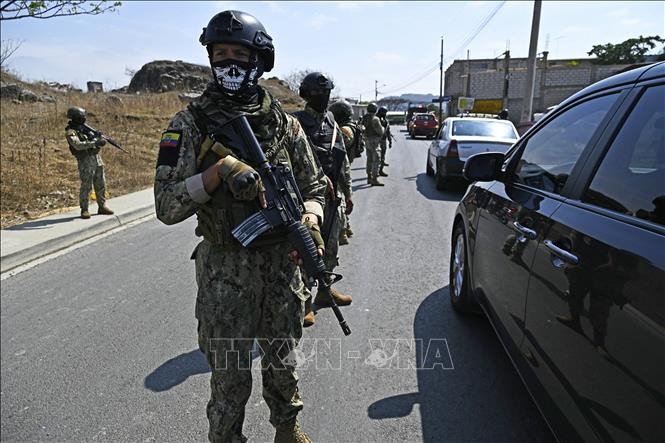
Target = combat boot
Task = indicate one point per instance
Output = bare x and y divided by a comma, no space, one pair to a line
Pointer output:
323,298
382,174
376,182
343,237
104,210
309,319
85,214
290,432
385,164
349,232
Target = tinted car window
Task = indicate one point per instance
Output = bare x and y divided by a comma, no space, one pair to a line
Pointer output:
631,177
425,117
484,129
551,153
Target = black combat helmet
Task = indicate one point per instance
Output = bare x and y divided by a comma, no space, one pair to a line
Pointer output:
342,111
371,108
382,112
503,115
240,28
314,81
76,114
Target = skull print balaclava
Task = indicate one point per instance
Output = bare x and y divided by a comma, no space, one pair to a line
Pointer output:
238,78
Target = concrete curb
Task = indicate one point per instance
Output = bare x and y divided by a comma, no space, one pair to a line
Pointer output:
46,247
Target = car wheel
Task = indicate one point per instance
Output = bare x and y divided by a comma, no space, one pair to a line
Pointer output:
460,293
428,169
441,182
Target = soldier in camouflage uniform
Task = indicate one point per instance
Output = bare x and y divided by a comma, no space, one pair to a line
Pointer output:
244,293
328,145
386,138
85,145
353,141
373,133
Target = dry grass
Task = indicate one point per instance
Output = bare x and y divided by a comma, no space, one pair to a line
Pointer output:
38,174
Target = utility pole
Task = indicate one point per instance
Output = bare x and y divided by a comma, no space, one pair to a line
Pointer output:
441,84
506,67
468,75
530,82
376,90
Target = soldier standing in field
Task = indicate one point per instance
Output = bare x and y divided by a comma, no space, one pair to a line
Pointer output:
243,293
373,133
85,146
328,144
386,138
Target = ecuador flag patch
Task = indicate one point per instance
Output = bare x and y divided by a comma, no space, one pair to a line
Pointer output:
170,139
168,148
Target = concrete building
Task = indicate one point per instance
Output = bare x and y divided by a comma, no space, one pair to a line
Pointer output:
556,80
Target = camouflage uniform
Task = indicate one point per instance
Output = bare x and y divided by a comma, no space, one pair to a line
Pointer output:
348,135
385,141
373,133
91,168
319,128
244,293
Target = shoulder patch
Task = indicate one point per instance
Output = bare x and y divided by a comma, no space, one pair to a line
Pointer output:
169,148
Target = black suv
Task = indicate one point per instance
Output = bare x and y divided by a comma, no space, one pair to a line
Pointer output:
561,242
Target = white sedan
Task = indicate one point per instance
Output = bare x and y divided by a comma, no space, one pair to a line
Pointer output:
461,137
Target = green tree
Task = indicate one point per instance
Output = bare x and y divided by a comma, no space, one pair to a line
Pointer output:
17,9
632,50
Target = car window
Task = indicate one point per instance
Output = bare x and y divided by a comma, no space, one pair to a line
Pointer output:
631,177
425,117
551,153
484,129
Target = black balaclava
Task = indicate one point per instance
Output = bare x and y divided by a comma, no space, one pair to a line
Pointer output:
319,101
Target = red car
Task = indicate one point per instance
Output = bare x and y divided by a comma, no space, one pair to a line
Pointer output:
423,124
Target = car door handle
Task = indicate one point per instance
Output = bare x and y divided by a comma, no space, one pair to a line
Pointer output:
561,253
528,233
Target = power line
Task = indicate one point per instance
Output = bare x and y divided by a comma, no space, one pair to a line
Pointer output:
464,44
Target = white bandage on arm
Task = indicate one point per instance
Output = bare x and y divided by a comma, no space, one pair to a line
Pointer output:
197,192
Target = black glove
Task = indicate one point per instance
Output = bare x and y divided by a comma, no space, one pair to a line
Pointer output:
349,206
100,142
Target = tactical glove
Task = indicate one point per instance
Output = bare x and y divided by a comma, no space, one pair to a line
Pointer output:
244,182
315,230
349,206
100,142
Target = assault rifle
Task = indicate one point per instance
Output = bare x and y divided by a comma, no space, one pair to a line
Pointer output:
99,134
282,211
333,206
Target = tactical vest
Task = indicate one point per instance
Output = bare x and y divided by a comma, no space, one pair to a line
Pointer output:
85,135
320,136
222,213
370,132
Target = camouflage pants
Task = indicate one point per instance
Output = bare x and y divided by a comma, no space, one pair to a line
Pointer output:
243,295
384,148
91,172
373,149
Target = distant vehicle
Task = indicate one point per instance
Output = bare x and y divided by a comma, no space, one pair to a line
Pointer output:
561,242
423,124
414,109
395,117
460,138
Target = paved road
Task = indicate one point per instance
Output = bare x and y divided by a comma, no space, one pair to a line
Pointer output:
100,344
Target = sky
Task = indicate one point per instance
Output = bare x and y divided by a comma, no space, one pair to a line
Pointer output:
393,45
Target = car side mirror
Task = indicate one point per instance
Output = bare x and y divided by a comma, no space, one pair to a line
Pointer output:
483,167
